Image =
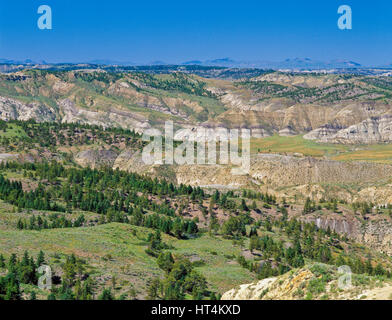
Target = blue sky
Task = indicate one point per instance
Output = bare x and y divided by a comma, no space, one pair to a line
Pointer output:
177,31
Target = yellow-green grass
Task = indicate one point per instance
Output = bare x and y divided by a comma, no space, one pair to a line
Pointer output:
113,249
377,153
12,131
295,144
9,215
219,255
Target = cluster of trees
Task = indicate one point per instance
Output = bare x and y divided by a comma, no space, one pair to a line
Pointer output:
226,201
117,195
311,206
176,82
121,197
54,221
51,134
363,207
19,271
105,77
362,266
234,227
265,197
263,87
177,227
306,241
76,284
277,259
39,199
180,279
299,94
3,125
155,244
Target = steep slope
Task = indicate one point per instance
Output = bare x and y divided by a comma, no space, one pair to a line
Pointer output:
372,130
314,282
271,102
128,100
11,109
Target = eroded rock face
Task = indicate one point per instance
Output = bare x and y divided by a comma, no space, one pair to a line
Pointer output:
96,158
372,130
251,291
260,133
283,176
287,132
288,286
298,80
217,133
276,112
321,134
11,109
283,171
114,118
131,160
375,231
238,106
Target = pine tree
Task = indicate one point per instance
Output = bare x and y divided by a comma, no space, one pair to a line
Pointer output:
153,289
2,261
165,261
369,267
379,270
106,295
192,228
254,205
243,205
253,231
307,207
40,258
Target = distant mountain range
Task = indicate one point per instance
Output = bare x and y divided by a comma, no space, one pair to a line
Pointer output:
288,64
296,63
24,62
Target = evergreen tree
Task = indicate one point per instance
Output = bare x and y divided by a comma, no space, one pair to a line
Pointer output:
40,258
106,295
2,261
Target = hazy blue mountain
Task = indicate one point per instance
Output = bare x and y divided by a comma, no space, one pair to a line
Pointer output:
112,62
296,63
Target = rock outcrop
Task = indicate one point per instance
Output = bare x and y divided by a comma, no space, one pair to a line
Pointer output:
251,291
283,176
296,286
282,171
11,109
274,103
113,118
96,158
369,131
375,231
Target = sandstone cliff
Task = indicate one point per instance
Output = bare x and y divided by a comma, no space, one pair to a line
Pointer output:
297,285
372,130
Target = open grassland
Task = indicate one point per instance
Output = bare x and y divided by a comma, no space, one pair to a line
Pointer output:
381,153
295,144
378,153
119,250
12,131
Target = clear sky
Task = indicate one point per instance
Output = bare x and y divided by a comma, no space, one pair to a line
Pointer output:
176,31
